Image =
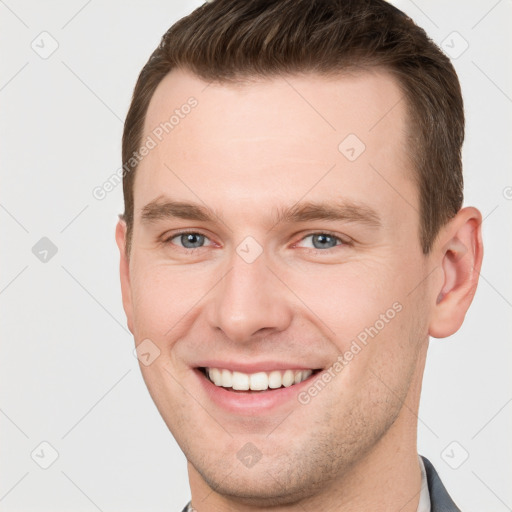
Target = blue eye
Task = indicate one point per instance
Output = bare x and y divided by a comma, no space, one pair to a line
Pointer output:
324,240
189,240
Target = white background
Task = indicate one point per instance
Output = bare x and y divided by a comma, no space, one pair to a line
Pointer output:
68,375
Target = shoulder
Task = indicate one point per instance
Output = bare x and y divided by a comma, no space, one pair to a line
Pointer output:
439,498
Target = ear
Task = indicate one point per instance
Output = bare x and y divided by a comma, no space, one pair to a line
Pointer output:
124,269
459,250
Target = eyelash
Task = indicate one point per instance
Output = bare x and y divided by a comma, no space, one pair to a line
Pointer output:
168,239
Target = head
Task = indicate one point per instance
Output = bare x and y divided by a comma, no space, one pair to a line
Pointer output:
297,206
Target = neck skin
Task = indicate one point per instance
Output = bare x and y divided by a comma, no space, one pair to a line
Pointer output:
388,478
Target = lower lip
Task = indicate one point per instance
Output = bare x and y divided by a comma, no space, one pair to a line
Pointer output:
251,403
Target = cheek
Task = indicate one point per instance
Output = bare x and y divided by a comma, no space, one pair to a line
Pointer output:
365,311
164,298
349,297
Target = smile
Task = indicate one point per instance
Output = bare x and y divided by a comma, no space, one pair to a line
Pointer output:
259,381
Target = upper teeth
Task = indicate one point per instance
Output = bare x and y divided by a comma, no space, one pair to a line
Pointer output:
256,381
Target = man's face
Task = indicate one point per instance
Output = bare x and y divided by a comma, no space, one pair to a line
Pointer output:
255,290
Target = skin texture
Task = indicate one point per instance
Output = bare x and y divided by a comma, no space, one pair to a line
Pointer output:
246,151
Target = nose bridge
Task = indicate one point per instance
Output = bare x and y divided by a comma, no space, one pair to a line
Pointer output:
249,298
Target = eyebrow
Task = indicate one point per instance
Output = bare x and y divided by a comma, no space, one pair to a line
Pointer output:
349,211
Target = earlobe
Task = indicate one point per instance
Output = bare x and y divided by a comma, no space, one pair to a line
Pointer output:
460,251
124,270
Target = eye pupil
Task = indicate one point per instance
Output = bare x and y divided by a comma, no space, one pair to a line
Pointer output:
193,238
323,240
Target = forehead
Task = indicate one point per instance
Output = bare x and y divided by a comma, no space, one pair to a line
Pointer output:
275,139
366,102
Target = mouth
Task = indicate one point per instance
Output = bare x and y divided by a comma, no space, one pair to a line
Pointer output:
258,382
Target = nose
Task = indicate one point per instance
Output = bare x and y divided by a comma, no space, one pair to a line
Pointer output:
250,301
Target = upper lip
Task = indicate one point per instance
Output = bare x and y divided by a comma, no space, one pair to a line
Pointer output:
262,366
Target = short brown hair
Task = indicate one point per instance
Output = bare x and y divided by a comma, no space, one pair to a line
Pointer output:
228,40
